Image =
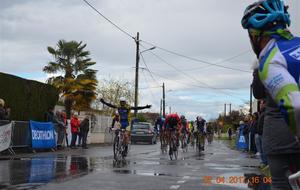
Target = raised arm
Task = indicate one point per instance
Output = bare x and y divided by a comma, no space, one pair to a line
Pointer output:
141,107
108,104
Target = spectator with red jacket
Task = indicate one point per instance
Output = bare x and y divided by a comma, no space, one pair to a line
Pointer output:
75,124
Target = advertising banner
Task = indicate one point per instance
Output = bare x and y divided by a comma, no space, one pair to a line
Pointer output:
42,135
5,136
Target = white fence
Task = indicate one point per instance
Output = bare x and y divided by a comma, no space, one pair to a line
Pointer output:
100,123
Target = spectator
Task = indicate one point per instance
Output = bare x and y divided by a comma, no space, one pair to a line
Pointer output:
258,136
64,117
75,124
84,130
246,129
276,79
252,131
60,128
242,140
49,115
4,113
229,133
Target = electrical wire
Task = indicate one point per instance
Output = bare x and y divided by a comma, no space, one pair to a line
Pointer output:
144,62
194,59
191,77
111,22
148,84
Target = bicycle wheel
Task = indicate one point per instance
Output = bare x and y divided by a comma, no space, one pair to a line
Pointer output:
115,147
171,150
199,146
175,147
118,152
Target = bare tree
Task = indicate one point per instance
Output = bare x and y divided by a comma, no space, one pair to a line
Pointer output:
112,90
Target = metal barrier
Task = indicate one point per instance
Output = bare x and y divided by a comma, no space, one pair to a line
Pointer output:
21,134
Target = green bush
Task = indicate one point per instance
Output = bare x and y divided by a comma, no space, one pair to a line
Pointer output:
27,99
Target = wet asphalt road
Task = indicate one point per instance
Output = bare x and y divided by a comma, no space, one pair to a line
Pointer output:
146,168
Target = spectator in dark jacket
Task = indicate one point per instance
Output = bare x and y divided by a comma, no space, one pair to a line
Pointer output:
84,129
258,135
252,130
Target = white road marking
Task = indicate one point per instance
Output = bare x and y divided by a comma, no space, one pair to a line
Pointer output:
186,177
174,186
181,181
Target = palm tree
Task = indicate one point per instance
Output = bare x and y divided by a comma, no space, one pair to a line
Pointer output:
76,81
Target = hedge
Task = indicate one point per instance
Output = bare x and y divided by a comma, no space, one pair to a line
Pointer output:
27,99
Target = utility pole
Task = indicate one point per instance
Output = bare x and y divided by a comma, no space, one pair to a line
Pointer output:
251,91
160,112
224,109
136,91
164,101
170,109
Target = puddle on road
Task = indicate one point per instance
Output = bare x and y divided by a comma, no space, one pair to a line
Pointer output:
227,166
143,173
31,172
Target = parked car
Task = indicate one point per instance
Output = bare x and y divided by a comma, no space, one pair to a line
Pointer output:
143,132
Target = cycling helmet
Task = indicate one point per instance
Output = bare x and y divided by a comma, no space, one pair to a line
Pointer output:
266,15
122,99
182,117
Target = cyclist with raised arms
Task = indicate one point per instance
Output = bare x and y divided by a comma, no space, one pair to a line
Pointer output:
124,111
277,80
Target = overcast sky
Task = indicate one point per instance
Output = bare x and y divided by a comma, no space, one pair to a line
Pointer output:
207,30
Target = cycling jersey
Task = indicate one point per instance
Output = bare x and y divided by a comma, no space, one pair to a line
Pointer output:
184,126
279,71
125,116
172,121
125,113
200,123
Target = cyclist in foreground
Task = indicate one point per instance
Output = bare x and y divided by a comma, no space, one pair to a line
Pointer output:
184,131
200,134
277,80
124,111
171,125
159,125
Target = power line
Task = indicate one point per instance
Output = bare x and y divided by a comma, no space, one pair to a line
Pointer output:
111,22
148,84
222,61
169,51
187,84
191,77
194,59
149,70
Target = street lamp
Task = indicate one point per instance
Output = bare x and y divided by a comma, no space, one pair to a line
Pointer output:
152,48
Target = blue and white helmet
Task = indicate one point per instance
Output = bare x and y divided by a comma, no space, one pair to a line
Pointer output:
266,15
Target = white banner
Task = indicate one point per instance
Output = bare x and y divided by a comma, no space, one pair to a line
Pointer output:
5,136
